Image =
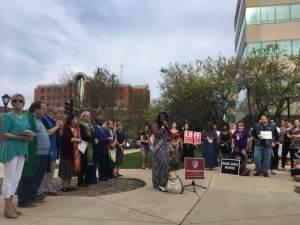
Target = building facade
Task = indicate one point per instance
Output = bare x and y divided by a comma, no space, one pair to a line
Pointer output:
55,95
125,94
260,24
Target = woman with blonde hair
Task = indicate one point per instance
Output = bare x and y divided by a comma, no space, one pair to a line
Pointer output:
15,132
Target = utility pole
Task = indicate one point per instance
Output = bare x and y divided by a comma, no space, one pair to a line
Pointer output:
113,76
121,73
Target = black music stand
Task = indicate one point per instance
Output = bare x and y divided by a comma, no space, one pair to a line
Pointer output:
194,185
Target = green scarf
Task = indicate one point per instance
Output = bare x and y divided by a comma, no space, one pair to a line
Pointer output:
89,130
32,148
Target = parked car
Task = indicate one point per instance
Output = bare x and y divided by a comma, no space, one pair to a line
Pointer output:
129,144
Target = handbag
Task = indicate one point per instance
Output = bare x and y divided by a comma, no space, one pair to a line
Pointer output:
175,185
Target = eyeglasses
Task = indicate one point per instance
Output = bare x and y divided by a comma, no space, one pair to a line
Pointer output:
17,100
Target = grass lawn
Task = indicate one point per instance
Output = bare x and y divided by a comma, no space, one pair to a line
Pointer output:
134,160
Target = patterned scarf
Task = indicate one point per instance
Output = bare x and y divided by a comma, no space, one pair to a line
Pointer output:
76,152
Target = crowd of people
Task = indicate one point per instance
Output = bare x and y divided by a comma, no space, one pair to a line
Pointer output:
236,142
33,141
87,146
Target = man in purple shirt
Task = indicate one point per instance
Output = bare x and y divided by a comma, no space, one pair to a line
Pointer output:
240,139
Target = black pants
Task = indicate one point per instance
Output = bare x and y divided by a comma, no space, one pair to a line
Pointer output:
103,167
29,186
82,176
285,150
91,177
275,158
187,153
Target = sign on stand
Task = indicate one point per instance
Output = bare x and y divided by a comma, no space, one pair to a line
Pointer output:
194,168
230,166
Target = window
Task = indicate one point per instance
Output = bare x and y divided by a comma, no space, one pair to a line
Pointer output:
296,47
295,12
284,48
273,48
42,90
268,14
49,90
253,15
254,49
48,97
53,98
269,48
42,98
282,13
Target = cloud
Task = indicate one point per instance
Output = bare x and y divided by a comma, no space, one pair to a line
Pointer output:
40,39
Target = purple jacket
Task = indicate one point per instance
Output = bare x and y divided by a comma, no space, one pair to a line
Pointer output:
241,139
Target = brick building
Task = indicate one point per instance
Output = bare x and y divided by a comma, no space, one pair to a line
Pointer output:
54,95
126,94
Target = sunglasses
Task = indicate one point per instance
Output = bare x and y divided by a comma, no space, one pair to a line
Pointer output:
17,100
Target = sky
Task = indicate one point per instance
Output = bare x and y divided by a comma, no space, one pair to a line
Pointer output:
40,40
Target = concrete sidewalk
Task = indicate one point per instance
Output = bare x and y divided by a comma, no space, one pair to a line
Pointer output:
229,200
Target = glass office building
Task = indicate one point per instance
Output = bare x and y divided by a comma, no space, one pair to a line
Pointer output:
267,27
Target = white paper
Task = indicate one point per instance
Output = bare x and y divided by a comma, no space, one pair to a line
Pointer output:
82,146
113,155
267,135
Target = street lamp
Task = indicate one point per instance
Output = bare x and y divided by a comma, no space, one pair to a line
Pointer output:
5,100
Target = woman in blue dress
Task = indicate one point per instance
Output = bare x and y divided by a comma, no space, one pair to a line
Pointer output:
210,138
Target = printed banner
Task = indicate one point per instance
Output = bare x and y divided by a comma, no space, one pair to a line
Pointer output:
192,137
230,166
188,137
194,168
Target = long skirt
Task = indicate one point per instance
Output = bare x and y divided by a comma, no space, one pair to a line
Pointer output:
160,164
209,154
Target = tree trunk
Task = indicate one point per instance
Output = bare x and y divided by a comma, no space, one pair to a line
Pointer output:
249,105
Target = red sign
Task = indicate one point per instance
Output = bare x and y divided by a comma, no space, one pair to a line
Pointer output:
194,168
197,138
188,137
192,137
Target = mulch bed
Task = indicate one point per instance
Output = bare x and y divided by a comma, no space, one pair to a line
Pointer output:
116,185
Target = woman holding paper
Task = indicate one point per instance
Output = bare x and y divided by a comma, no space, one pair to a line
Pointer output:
145,145
187,149
14,150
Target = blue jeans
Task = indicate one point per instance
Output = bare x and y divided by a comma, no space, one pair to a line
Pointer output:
29,186
262,157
